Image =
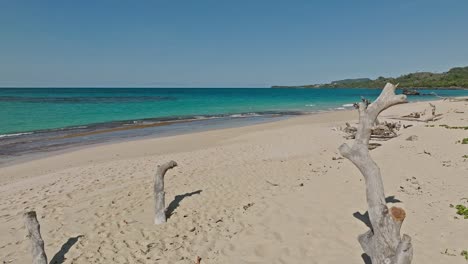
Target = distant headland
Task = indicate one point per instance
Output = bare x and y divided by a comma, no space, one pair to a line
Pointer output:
455,78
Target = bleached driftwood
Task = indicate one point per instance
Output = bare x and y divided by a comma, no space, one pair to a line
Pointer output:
414,115
383,243
34,233
425,120
159,194
385,130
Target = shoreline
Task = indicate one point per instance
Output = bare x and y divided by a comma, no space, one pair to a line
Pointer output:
31,145
35,155
130,130
120,144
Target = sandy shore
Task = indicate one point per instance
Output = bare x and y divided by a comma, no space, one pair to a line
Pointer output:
95,204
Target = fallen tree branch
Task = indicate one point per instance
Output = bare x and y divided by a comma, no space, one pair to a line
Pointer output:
425,120
383,243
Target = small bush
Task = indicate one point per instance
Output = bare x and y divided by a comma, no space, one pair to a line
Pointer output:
464,253
462,210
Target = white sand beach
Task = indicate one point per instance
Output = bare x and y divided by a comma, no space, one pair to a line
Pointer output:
269,193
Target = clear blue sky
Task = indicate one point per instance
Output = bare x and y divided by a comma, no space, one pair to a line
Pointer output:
217,43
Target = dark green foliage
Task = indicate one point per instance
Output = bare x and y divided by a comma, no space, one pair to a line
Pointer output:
454,78
464,141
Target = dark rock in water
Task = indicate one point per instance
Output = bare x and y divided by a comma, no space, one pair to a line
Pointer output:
410,92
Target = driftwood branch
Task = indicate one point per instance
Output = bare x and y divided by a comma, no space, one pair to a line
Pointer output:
34,233
159,194
383,243
425,120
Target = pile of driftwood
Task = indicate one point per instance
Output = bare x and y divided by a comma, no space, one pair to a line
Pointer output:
421,116
380,131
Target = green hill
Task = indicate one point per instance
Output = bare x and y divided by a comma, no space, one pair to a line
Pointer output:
455,78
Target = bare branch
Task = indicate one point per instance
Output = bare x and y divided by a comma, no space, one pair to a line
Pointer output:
159,194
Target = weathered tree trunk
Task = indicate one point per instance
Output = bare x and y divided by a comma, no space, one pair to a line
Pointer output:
159,194
34,233
383,243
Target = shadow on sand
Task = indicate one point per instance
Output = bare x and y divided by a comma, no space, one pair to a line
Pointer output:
59,258
365,219
176,202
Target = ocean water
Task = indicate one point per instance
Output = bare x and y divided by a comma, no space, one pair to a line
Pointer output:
29,110
35,120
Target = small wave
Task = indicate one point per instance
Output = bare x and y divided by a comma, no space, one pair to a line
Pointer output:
309,105
244,115
340,108
348,105
204,117
14,135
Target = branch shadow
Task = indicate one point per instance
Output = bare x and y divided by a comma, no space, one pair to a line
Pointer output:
392,199
365,219
176,202
366,258
59,257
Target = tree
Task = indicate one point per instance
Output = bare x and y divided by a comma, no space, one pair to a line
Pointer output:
383,243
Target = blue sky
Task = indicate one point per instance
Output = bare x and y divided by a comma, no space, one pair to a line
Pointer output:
217,43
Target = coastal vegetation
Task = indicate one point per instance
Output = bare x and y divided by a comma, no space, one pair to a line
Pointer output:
461,210
464,253
452,79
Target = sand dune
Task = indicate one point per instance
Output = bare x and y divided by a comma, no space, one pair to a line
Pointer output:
269,193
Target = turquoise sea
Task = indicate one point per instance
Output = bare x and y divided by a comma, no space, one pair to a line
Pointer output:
27,110
38,119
